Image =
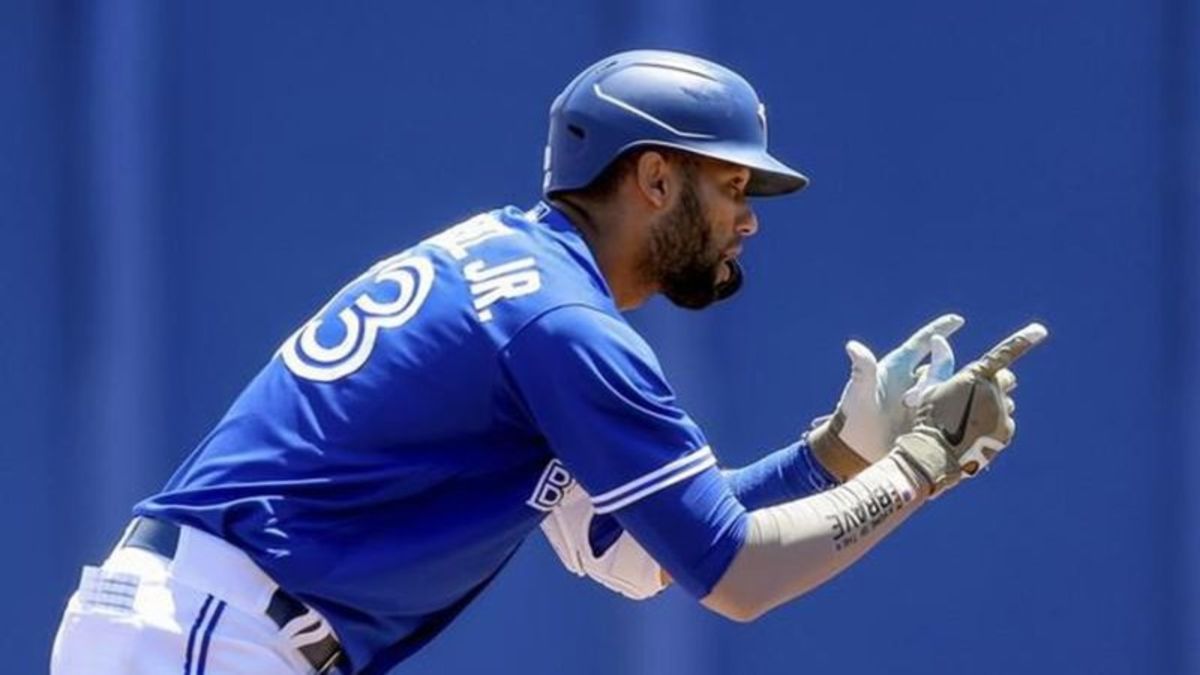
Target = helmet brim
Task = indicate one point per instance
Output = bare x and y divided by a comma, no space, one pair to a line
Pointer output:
780,179
769,177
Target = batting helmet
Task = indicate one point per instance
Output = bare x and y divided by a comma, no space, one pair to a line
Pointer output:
650,97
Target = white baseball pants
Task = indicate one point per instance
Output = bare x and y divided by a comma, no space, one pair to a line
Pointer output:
199,614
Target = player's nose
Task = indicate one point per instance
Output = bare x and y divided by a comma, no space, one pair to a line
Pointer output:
747,224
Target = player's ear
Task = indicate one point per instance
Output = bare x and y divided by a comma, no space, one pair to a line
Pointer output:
653,177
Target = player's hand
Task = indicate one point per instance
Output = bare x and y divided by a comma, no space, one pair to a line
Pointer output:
964,422
878,403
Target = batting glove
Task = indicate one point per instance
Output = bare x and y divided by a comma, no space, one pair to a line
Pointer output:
964,422
878,403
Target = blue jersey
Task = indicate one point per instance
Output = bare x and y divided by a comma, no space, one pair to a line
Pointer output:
397,449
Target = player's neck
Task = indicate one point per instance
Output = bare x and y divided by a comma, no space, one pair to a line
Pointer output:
615,242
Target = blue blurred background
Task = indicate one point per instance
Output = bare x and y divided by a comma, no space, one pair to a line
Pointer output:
182,183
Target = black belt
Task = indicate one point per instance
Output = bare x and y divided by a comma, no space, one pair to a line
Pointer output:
161,537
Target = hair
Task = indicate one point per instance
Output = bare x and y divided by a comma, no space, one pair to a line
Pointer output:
605,185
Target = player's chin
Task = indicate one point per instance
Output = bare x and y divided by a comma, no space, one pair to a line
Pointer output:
701,289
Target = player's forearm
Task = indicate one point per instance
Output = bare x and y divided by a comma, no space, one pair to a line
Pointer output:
790,473
794,547
785,475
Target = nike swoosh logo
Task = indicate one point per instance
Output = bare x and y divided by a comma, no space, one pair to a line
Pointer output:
957,436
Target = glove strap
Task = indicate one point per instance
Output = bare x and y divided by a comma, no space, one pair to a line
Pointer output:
926,455
839,459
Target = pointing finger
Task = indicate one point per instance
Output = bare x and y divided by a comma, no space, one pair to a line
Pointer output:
1012,348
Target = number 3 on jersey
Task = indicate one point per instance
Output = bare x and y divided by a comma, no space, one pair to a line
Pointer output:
410,276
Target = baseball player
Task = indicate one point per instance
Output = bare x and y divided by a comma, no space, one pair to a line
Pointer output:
390,458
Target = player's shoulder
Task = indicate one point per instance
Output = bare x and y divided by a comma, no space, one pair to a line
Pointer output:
541,232
578,341
518,265
580,324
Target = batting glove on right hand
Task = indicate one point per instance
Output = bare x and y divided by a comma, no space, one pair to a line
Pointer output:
964,422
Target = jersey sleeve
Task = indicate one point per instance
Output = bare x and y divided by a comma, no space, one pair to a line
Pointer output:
597,394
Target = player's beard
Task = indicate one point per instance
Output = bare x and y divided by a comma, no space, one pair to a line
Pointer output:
683,259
